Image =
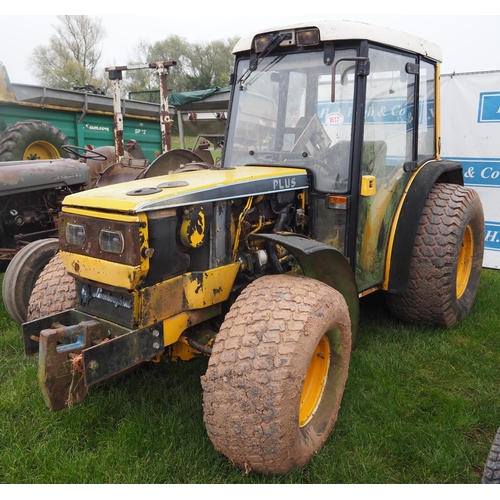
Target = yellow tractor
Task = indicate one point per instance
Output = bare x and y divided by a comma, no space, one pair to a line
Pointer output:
331,187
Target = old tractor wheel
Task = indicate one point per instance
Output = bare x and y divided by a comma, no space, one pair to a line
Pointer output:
21,275
54,291
491,474
32,140
447,259
277,373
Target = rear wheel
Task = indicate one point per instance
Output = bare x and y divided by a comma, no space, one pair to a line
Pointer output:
32,140
447,259
54,291
491,473
21,275
277,373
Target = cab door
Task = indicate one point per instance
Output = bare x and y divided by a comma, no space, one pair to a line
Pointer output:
388,154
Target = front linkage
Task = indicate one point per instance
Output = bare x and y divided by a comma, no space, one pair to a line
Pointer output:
73,358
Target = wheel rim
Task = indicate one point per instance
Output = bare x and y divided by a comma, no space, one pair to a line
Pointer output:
41,150
465,261
315,381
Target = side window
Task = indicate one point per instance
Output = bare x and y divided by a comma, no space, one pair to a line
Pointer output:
337,119
426,107
390,105
296,98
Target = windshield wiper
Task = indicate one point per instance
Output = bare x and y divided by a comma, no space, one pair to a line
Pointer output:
269,47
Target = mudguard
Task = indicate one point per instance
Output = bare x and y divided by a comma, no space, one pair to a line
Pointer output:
407,222
324,263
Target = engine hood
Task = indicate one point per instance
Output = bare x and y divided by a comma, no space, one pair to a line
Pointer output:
187,188
35,175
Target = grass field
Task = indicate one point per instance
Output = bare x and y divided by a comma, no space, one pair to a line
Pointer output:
421,406
190,142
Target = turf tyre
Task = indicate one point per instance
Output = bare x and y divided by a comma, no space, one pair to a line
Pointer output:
447,258
253,390
54,291
30,140
22,273
491,474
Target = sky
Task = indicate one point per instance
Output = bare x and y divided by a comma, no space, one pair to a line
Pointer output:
469,39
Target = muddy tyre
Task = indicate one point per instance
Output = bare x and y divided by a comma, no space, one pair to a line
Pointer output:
54,291
491,474
32,140
447,258
276,376
22,273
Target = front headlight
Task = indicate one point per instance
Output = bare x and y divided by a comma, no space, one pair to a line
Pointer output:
122,240
111,241
75,234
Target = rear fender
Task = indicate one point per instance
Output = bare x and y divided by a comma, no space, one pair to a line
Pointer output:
406,224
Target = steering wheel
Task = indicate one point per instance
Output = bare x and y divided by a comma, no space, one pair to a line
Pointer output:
88,154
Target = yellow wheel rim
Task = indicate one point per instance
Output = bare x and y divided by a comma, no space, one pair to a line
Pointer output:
315,381
41,150
465,261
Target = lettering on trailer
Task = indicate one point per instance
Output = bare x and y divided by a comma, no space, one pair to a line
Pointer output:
489,107
97,127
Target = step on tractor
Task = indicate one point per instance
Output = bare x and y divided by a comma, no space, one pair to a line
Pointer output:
331,187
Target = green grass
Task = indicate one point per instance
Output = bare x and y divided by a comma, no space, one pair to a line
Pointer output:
421,406
189,143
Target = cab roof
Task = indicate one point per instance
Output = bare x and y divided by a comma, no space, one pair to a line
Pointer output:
353,30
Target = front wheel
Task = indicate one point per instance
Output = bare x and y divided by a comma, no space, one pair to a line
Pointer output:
22,273
54,291
447,258
277,373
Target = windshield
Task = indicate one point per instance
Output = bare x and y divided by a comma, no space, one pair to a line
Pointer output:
282,114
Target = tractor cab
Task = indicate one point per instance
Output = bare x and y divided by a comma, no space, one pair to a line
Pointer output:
357,113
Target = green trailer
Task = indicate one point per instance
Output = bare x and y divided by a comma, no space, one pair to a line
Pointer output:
36,121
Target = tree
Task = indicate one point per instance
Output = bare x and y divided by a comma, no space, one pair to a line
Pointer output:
144,80
72,55
199,65
210,64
